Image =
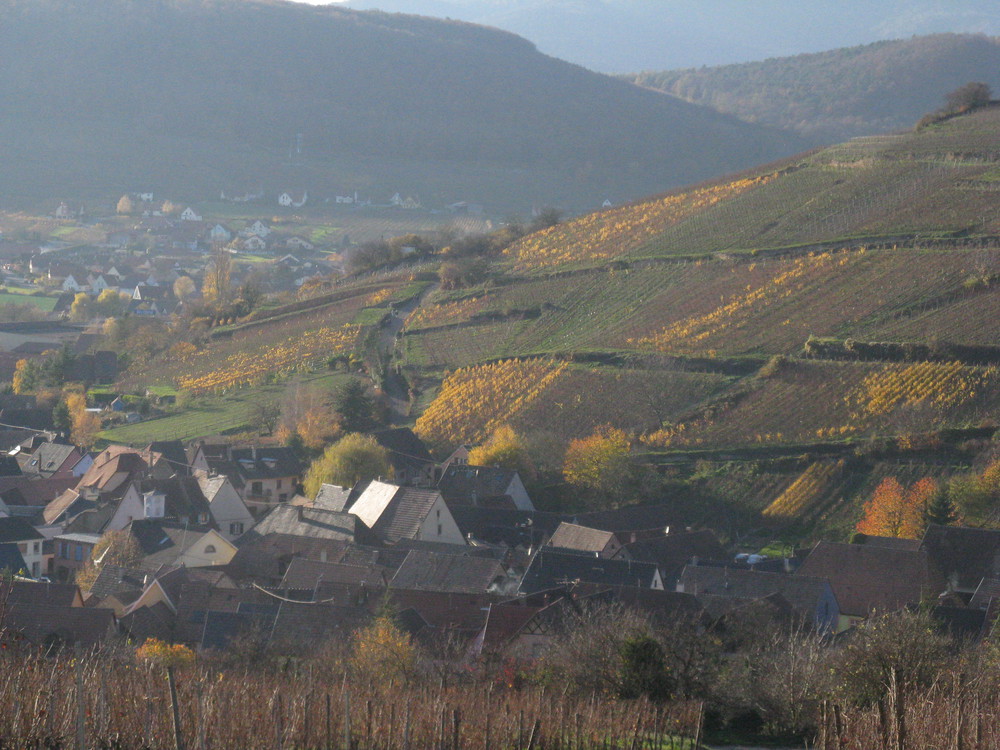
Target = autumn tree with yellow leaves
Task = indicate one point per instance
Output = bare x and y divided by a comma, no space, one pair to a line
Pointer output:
507,449
600,465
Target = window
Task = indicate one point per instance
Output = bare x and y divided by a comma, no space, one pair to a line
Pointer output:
235,529
283,497
256,488
36,548
210,549
79,553
279,484
439,529
64,550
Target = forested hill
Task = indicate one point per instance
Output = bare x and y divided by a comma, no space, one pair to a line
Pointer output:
834,95
193,96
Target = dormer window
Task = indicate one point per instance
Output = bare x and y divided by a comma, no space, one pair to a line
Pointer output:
210,549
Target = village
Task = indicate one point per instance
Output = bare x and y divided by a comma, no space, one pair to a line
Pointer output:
205,544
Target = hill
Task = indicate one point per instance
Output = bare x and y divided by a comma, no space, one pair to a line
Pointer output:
776,342
834,95
191,97
618,36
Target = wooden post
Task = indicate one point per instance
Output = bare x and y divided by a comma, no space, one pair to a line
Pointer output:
347,721
535,732
899,707
406,728
278,714
175,710
456,718
486,738
81,708
329,744
701,720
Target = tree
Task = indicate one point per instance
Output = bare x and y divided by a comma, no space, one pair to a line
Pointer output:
62,420
600,464
940,510
169,207
184,287
354,406
218,278
111,303
85,425
81,309
507,449
352,458
118,548
264,415
125,205
26,376
969,96
383,652
896,511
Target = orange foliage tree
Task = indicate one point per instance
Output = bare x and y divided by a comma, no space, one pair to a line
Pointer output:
897,511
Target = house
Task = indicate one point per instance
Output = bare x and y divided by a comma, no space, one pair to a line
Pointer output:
458,457
310,523
299,243
11,559
189,214
51,459
256,244
424,570
290,200
52,627
551,568
572,536
72,551
258,228
965,556
17,531
409,458
220,234
393,513
869,579
71,284
672,550
811,599
263,476
486,486
228,510
171,543
177,498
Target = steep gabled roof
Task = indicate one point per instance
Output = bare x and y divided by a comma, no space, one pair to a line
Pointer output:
671,552
394,512
299,521
14,529
464,484
183,497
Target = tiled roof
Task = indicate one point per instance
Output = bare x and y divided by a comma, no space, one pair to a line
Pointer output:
17,530
306,574
803,593
965,556
37,492
432,571
294,520
582,538
463,484
393,512
671,552
47,625
114,580
552,568
866,579
30,592
183,498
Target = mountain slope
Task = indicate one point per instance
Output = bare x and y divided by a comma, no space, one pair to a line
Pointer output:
830,96
193,96
618,36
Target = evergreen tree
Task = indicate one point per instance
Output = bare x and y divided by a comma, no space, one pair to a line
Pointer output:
940,510
354,406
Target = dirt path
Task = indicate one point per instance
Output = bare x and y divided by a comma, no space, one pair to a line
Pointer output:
395,386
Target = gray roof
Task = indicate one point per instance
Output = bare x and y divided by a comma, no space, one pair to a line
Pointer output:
471,485
551,568
332,497
114,580
457,574
803,593
583,538
296,520
17,530
394,512
307,574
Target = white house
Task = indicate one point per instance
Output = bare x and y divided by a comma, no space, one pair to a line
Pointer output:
228,510
394,513
70,284
293,201
258,228
219,233
15,530
189,214
255,243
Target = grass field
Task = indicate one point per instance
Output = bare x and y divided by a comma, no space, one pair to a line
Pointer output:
213,415
44,303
